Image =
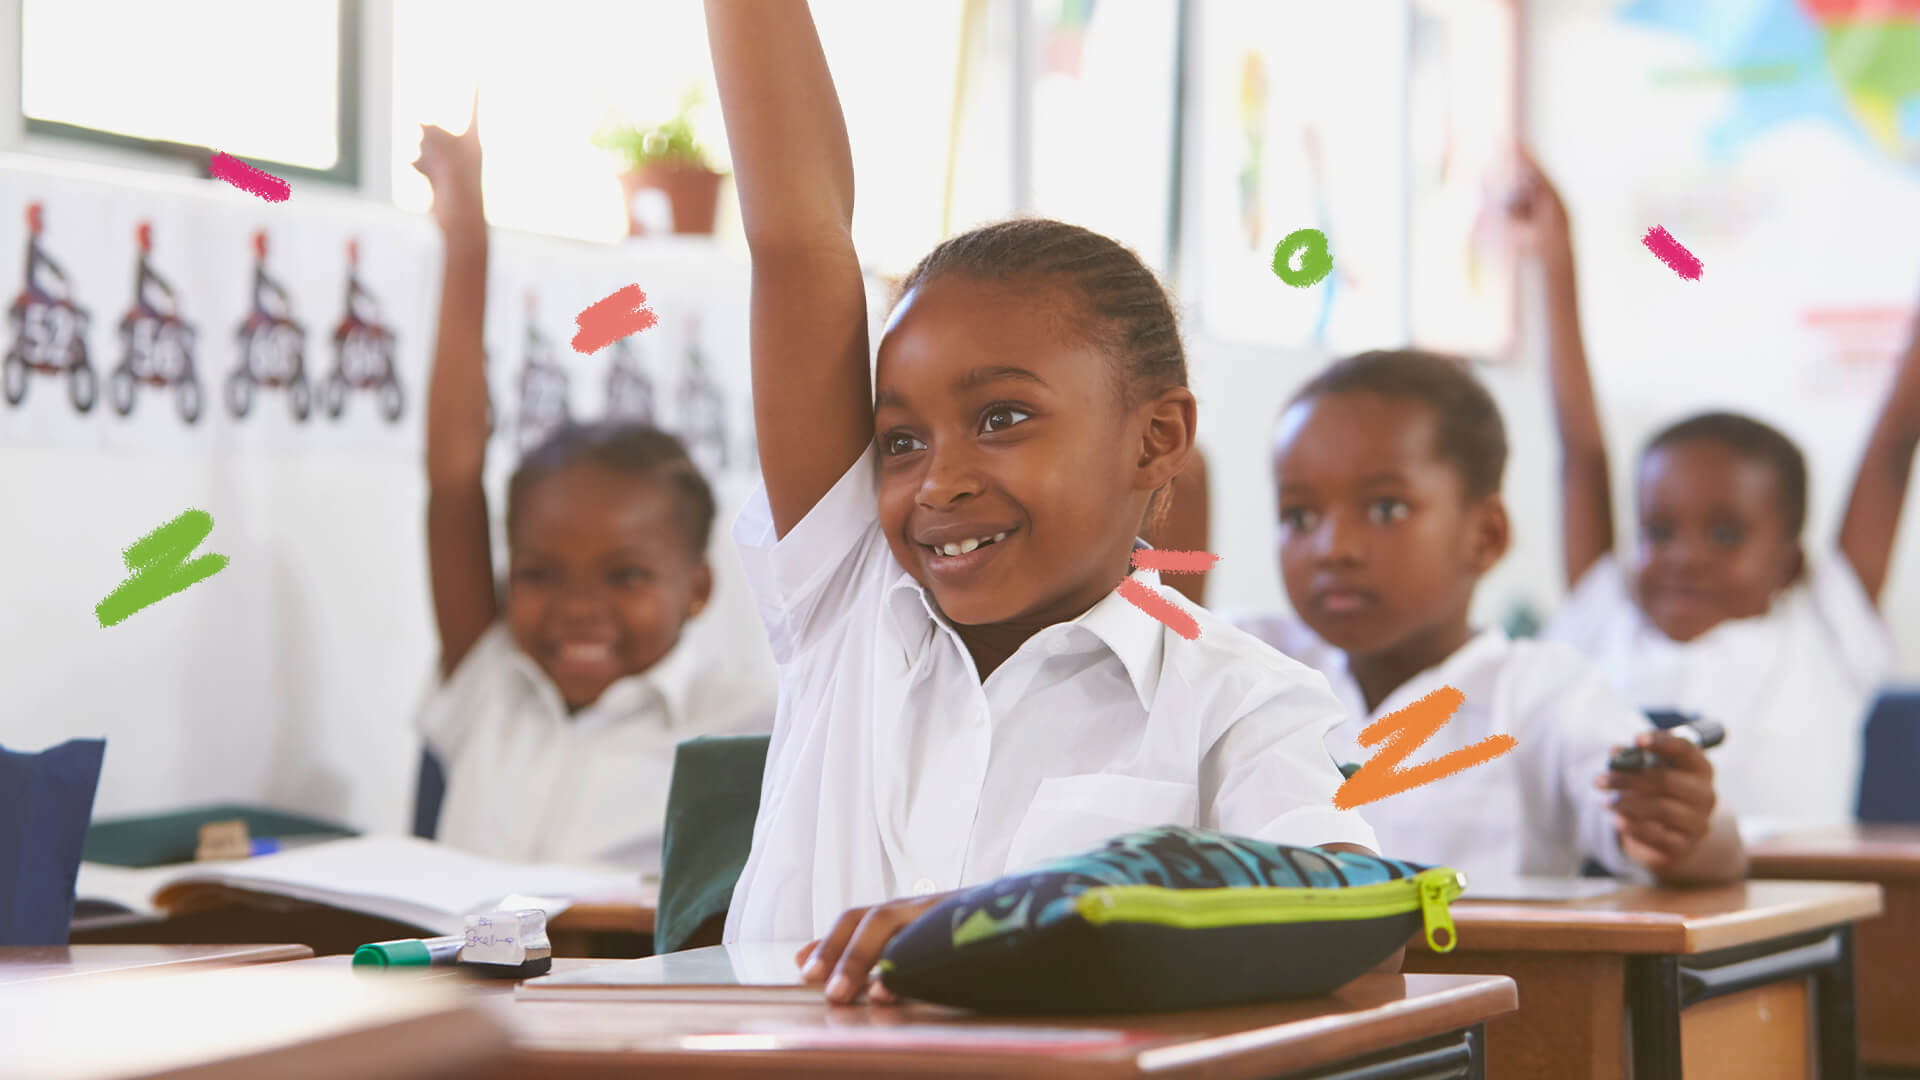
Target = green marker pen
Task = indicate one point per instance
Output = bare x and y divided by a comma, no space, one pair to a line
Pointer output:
410,952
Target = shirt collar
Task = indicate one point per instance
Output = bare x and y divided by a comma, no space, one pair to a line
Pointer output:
668,684
1135,638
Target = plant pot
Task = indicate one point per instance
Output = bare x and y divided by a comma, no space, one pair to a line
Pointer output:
692,193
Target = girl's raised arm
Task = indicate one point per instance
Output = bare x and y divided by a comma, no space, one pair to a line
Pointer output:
459,541
812,398
1586,492
1880,487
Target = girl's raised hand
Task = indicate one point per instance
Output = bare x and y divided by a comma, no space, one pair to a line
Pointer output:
844,959
451,163
1536,214
1664,813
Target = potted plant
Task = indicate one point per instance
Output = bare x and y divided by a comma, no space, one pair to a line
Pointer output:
665,160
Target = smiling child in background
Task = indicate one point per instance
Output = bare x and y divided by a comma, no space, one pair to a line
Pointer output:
1718,611
557,711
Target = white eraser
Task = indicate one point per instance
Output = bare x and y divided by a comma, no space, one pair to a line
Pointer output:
506,937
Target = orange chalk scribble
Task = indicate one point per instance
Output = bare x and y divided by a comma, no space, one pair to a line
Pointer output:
1399,734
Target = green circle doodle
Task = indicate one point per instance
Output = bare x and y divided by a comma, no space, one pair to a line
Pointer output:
1316,261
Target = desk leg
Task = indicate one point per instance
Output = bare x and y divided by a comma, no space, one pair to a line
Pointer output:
1653,1003
1460,1056
1838,1023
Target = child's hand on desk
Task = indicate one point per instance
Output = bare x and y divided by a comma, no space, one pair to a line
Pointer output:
853,947
1662,814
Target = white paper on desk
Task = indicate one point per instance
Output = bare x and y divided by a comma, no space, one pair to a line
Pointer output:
757,972
406,879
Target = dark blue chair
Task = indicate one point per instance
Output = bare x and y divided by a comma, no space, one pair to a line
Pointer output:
1890,760
428,790
46,801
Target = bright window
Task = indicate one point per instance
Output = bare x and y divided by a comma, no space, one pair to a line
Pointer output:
257,80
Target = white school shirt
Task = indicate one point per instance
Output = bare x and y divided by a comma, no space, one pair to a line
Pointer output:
895,772
529,783
1792,686
1531,811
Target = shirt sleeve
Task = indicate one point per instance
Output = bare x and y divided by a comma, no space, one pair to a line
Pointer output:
1271,777
1575,707
1600,597
1850,622
820,557
454,707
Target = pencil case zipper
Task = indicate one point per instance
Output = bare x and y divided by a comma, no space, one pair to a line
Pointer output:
1428,892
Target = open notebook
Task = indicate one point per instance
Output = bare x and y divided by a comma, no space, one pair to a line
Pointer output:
760,972
403,878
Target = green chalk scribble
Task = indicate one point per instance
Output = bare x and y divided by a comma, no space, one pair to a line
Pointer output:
156,562
1316,261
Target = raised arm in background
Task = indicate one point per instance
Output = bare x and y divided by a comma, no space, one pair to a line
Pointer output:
459,540
812,395
1880,486
1586,492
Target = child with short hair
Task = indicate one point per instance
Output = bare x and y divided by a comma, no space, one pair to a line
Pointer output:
559,706
1718,612
937,546
1388,468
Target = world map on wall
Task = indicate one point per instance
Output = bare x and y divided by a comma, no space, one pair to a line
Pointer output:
1853,64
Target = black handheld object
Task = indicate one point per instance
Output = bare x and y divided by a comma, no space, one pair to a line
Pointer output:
1705,734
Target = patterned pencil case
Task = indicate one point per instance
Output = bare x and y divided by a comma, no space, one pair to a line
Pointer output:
1170,918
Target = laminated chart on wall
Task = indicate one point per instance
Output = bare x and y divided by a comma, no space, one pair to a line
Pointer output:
189,318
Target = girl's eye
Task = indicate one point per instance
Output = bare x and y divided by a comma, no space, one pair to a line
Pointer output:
632,575
533,575
1727,535
895,443
1659,532
1298,519
1384,511
1006,415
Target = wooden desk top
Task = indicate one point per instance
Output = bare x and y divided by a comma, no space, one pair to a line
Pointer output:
1640,919
261,1020
19,964
1843,852
1375,1012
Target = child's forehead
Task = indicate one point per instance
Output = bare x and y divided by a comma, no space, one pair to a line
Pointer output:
1340,425
955,335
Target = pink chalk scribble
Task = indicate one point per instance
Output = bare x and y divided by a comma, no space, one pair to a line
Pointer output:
1669,251
249,179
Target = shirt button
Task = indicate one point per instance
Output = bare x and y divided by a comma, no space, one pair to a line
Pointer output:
923,887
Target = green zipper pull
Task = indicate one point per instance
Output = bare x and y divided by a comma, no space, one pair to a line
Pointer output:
1434,885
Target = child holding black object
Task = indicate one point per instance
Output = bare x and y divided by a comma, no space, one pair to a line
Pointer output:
559,705
1718,612
1388,469
936,553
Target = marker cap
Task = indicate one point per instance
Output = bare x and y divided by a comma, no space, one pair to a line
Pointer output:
393,954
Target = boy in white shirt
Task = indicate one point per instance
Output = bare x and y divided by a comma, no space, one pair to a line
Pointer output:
560,705
1388,473
937,546
1719,612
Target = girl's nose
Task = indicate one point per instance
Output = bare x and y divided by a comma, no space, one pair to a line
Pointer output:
951,475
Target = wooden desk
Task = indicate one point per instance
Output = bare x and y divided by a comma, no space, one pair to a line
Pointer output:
1418,1025
30,964
1887,949
609,926
1714,981
263,1020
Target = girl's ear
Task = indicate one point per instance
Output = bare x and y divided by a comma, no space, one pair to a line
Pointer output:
1168,439
702,588
1492,532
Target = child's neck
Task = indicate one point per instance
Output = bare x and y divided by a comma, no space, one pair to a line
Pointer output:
1381,673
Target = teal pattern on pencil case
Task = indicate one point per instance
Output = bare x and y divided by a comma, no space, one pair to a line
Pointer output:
1173,857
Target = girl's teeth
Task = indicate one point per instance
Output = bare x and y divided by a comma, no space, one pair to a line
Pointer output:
997,537
950,549
968,545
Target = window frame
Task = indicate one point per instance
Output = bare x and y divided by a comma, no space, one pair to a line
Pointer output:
348,169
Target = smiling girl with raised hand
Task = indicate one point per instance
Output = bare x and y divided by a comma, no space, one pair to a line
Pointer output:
935,554
558,705
1718,610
